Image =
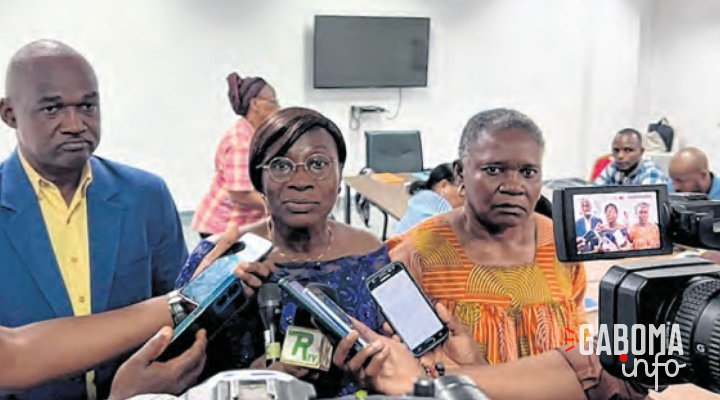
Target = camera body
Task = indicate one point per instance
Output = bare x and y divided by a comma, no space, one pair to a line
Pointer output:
659,320
670,294
694,220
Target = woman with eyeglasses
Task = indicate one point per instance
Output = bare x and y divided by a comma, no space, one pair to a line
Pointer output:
296,161
231,196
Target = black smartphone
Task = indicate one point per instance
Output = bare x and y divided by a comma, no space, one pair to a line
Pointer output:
216,295
406,308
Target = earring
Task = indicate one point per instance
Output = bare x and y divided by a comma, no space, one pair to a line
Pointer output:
266,205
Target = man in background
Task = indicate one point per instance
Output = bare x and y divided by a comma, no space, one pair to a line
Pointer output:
587,242
78,234
690,173
628,166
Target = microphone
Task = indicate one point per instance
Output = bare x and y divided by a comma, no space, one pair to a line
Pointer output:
304,345
269,300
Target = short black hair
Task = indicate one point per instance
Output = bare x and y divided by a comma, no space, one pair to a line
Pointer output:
285,127
495,120
608,205
631,131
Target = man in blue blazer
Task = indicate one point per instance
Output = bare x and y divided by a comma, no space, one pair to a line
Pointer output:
587,222
79,234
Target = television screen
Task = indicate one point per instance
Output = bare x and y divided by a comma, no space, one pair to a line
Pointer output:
356,52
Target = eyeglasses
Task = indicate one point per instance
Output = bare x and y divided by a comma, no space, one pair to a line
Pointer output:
282,169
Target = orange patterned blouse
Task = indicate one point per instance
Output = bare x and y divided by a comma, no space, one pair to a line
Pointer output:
513,312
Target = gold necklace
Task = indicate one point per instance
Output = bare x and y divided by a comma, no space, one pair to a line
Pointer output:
271,234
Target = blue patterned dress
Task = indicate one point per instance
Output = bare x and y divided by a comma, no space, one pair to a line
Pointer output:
242,340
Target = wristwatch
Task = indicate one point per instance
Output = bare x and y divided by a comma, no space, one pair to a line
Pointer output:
176,302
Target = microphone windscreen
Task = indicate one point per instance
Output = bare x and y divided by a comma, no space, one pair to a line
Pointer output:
269,295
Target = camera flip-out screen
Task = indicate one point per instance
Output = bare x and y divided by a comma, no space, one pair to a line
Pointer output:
594,223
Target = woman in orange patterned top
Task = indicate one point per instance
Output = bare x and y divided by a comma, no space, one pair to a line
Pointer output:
492,262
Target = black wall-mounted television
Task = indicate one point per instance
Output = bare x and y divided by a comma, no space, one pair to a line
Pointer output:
360,52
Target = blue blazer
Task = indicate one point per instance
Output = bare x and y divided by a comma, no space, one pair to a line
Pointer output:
580,230
136,252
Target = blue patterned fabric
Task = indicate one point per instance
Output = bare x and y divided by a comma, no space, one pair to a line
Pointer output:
192,262
243,336
646,173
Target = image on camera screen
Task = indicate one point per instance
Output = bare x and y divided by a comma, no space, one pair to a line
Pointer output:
616,222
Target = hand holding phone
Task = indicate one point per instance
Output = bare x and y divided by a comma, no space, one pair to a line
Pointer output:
216,294
406,308
331,317
254,274
247,251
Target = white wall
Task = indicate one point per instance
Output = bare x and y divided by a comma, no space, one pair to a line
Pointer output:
571,65
681,71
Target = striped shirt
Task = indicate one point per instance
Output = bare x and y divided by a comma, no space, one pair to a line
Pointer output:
231,174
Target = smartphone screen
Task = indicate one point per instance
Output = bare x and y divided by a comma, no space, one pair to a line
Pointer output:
254,248
406,308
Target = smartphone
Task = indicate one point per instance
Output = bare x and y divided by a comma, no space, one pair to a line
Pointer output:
324,310
406,308
216,294
251,247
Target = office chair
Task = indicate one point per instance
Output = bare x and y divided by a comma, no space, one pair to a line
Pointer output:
599,165
393,151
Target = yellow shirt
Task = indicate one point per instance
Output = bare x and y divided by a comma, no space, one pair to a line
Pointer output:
68,230
67,226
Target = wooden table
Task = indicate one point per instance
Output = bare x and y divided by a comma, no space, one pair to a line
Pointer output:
390,198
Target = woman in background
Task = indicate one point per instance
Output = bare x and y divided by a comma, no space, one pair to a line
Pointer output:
436,195
615,236
231,196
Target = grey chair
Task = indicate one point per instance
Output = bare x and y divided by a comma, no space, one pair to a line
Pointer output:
393,151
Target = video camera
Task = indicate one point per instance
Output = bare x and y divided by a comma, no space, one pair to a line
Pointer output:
661,313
